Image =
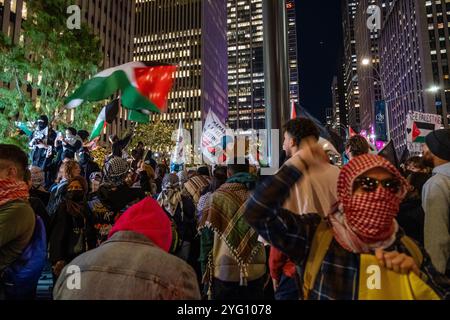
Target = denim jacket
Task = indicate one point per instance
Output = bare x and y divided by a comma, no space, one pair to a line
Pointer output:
127,267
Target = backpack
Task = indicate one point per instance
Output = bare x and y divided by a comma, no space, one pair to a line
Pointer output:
319,247
21,277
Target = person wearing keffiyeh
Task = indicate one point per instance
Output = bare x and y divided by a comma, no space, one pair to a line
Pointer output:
17,219
362,223
236,260
182,213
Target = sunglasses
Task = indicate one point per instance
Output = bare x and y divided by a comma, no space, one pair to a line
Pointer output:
371,185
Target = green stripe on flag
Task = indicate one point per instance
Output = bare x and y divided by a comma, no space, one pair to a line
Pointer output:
100,88
138,117
420,139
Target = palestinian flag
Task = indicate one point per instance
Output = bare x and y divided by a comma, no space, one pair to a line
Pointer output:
420,130
351,132
143,86
107,115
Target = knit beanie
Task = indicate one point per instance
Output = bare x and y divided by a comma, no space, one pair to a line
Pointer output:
439,143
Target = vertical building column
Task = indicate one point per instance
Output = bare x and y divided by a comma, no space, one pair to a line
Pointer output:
275,65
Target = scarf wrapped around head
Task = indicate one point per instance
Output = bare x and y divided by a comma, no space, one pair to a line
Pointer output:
195,185
11,190
170,196
367,221
115,171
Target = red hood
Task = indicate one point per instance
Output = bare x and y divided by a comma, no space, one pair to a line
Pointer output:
148,219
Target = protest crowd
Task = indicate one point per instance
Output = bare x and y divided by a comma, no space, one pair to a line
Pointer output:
133,228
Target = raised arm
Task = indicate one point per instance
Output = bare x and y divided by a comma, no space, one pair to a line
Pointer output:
289,232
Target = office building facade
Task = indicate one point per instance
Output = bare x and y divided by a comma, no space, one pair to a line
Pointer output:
245,64
351,84
405,65
192,35
246,95
293,56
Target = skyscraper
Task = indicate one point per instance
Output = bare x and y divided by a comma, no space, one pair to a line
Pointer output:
438,22
192,35
368,64
245,64
246,94
351,85
406,64
293,58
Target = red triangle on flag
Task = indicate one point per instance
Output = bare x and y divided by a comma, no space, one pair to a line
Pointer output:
155,83
415,132
351,132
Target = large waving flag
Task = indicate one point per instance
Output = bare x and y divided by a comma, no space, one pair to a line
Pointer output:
107,115
145,86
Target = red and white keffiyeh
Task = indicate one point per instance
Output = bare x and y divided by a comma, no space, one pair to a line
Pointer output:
11,190
366,221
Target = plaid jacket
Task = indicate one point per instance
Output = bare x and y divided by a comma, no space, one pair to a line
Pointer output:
338,278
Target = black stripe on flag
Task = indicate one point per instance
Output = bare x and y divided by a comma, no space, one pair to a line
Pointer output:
425,126
111,111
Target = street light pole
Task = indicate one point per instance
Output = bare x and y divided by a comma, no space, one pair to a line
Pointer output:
276,71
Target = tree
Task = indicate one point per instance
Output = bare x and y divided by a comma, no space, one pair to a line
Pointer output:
53,60
156,136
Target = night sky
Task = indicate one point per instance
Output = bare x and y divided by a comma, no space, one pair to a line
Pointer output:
319,41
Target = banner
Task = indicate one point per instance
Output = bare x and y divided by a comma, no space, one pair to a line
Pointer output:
212,137
380,121
178,156
418,126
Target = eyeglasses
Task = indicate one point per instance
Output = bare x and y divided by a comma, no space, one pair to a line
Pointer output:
368,184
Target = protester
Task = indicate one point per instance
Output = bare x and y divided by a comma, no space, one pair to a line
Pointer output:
236,260
112,198
141,269
71,142
194,186
356,146
52,164
37,182
332,253
20,230
145,179
118,145
71,232
149,159
70,169
315,192
137,154
17,218
41,141
161,171
87,164
95,179
411,215
436,199
415,164
181,211
219,178
35,201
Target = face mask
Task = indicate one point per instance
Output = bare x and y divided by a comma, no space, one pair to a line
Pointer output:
75,195
42,125
372,215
